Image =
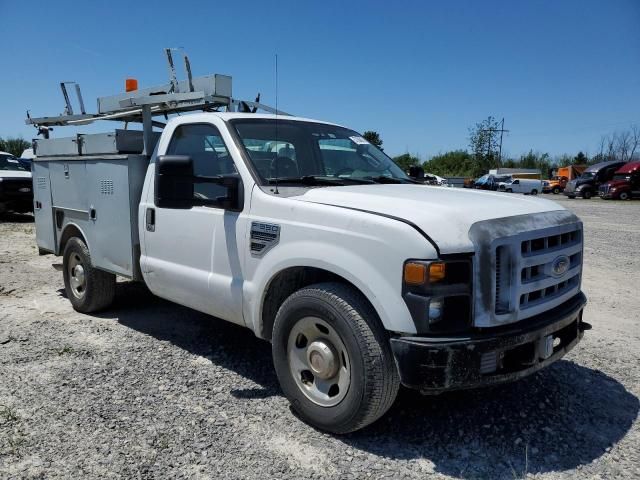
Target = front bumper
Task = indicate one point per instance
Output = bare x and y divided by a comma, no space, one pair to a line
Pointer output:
491,356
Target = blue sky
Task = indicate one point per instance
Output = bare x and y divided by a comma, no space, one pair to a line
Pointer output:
562,73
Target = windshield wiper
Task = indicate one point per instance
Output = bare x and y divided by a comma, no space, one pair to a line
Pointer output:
385,179
306,180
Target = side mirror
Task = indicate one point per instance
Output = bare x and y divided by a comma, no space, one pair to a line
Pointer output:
174,185
416,172
174,181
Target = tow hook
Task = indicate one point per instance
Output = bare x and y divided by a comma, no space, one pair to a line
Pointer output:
584,326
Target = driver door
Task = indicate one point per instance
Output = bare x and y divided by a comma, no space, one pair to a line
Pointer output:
191,256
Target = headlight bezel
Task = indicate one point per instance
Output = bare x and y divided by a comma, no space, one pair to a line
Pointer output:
454,291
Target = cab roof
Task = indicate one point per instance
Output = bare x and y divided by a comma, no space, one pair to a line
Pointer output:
599,166
629,167
270,116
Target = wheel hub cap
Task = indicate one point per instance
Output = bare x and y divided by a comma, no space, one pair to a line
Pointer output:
77,278
319,361
322,359
78,273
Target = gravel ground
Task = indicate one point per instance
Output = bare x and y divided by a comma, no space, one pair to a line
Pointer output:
154,390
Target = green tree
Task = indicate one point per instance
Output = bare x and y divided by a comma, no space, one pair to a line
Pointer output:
373,138
406,160
536,160
458,163
580,159
483,142
14,145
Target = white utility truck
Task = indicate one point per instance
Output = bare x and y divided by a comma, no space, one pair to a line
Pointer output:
308,235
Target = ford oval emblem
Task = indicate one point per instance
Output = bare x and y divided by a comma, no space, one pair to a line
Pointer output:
560,265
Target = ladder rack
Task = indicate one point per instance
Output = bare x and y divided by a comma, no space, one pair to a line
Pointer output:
207,93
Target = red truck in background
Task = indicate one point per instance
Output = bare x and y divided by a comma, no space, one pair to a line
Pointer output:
624,185
559,181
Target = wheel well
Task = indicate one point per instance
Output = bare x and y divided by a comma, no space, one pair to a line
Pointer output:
70,231
287,282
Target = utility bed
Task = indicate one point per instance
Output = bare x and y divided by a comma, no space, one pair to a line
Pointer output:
99,196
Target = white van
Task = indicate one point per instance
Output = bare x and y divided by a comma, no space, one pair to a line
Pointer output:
521,185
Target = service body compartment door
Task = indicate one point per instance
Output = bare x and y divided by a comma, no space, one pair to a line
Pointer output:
42,207
69,185
109,225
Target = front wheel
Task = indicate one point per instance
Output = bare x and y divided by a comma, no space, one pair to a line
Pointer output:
556,191
534,192
87,288
624,196
509,190
333,359
586,194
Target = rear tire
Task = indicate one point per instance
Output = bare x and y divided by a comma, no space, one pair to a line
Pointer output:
320,313
87,288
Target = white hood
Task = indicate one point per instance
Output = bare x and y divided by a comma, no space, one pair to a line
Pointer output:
446,215
14,174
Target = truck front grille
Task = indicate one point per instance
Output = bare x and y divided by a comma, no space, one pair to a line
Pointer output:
604,189
536,272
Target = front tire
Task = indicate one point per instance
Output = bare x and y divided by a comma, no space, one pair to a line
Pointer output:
556,191
87,288
534,192
509,190
333,359
624,196
586,194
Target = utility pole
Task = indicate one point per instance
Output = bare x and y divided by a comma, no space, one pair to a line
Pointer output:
491,131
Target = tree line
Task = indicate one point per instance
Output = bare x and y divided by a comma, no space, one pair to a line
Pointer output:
14,145
484,154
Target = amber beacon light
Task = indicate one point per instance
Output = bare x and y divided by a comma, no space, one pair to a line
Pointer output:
131,84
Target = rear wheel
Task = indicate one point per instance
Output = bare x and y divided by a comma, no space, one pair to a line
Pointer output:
333,359
87,288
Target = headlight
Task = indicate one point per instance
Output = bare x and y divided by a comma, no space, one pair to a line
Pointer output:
438,294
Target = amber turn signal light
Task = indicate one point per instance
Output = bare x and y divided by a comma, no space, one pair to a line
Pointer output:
415,273
437,272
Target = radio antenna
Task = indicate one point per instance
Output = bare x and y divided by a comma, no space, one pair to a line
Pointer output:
276,124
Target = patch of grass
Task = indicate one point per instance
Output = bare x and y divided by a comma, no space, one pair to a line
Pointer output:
16,442
161,442
8,414
66,350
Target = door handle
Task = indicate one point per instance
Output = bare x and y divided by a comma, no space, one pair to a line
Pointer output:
150,219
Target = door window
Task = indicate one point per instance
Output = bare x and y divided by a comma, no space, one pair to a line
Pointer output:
204,144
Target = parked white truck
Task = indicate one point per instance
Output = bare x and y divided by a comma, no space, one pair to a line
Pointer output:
360,279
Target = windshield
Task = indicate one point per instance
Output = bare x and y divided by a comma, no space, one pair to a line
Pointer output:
621,176
305,150
10,163
587,175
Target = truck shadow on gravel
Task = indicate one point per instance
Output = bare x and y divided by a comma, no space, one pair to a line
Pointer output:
559,419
